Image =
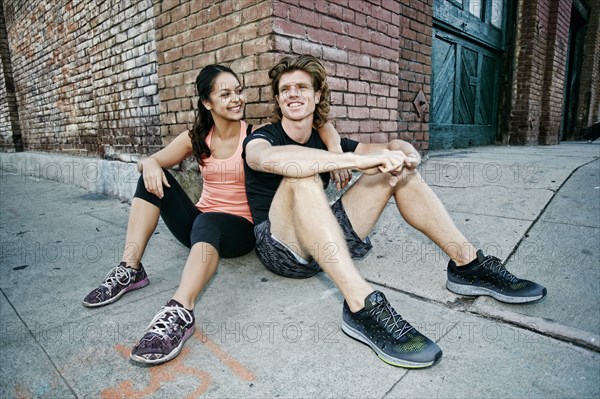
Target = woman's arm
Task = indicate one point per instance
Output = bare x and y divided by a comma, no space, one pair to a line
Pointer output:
332,140
154,177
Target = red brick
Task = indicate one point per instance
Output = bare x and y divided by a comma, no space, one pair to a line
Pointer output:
347,71
259,110
289,28
338,112
257,46
369,126
347,126
377,113
304,16
257,12
348,15
361,100
201,60
336,98
369,75
337,84
334,25
202,32
215,42
349,99
228,23
358,87
358,112
359,60
303,47
369,48
193,48
229,53
350,43
321,36
333,54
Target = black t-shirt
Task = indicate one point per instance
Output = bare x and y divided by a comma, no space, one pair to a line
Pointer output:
261,186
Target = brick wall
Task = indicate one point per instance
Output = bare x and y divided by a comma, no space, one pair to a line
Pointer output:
528,84
194,34
357,41
588,112
542,45
10,131
415,69
554,76
85,75
358,44
115,78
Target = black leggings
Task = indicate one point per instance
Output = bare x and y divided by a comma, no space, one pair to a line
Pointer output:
231,235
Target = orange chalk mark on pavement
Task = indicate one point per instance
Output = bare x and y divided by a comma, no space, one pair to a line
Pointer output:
223,356
171,370
158,375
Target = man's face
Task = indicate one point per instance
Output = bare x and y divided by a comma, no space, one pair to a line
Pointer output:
297,98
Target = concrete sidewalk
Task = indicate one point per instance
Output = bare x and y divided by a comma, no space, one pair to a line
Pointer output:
260,335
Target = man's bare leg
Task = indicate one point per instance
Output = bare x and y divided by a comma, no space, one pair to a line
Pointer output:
301,214
301,217
418,205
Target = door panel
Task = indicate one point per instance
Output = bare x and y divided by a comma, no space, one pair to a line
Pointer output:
444,56
467,46
468,87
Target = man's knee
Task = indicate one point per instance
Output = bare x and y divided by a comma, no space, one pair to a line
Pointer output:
305,184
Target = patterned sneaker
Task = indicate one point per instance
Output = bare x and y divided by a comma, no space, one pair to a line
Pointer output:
490,277
393,339
117,282
165,335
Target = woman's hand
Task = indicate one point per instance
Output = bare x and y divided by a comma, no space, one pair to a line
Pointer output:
341,177
154,177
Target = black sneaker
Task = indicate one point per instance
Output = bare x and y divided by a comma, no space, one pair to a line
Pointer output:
393,339
117,282
490,277
166,334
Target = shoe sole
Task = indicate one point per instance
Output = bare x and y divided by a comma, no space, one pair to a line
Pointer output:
136,286
383,356
470,290
174,353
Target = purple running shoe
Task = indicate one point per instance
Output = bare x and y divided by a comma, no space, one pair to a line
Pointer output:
117,282
165,335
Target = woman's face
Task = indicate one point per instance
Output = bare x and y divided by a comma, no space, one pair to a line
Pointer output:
226,99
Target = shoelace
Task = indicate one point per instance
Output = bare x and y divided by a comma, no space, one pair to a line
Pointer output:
400,326
118,275
495,266
164,320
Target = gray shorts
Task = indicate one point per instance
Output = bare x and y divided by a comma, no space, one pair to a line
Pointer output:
283,260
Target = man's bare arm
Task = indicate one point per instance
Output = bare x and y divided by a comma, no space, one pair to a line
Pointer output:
296,161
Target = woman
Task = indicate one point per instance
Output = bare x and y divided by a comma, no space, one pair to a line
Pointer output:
219,225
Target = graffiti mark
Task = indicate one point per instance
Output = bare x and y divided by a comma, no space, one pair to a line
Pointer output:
223,356
170,371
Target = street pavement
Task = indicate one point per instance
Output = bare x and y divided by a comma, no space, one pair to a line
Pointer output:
259,335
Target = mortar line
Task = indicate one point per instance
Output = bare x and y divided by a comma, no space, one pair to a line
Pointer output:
40,345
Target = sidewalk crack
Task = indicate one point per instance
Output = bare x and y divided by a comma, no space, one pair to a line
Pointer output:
39,345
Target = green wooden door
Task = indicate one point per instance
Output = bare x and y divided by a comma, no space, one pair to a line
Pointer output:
466,59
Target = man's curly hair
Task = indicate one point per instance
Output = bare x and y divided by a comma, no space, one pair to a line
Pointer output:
316,70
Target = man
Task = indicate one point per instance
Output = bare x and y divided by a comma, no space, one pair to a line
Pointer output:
298,233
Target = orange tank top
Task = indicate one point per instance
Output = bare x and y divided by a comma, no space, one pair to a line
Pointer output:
223,181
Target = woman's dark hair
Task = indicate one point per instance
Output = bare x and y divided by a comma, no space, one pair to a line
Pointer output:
204,121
